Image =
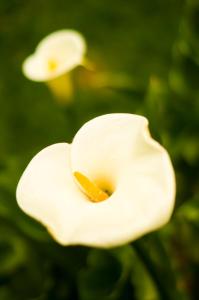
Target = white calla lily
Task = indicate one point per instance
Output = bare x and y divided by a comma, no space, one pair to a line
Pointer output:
113,184
55,55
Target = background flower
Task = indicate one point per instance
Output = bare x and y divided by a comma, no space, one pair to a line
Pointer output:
56,54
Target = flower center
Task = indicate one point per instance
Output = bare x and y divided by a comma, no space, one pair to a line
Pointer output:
52,65
93,192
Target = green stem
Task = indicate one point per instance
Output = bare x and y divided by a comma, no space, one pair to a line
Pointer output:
158,268
153,272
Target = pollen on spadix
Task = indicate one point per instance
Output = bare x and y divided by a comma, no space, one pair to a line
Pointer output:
89,188
52,65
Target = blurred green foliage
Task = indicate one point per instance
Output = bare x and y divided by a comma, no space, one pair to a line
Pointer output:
155,45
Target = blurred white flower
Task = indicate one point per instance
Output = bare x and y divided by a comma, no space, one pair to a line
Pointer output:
55,55
113,184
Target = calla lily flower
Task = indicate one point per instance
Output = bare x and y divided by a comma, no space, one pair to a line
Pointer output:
55,56
110,186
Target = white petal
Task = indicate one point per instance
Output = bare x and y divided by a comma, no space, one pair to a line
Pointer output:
34,68
103,147
65,47
144,194
47,192
66,40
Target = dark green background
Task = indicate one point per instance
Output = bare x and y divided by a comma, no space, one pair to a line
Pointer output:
151,48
